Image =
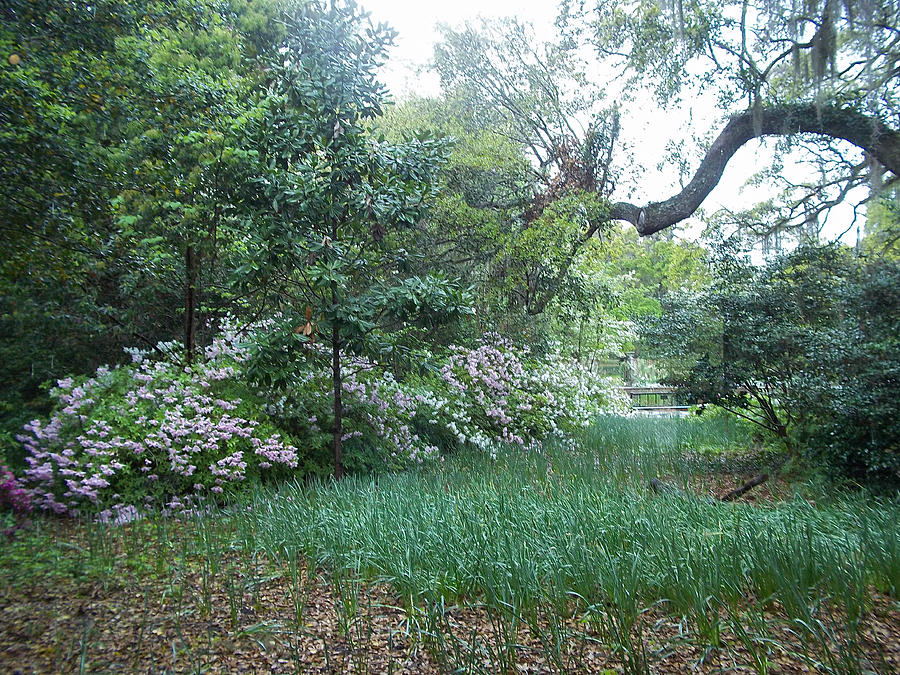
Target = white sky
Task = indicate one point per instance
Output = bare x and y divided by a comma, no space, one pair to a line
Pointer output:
415,23
646,128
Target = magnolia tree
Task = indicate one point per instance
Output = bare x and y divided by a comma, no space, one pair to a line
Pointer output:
330,203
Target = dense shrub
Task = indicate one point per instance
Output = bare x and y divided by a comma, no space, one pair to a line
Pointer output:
494,393
498,393
160,433
378,414
807,346
859,436
15,502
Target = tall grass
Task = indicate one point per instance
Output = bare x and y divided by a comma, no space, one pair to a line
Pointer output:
559,552
516,536
526,531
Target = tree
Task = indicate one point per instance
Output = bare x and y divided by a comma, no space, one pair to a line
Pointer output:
536,272
116,135
864,131
760,342
190,72
814,72
820,75
882,232
489,223
804,344
537,97
483,188
858,436
330,202
54,196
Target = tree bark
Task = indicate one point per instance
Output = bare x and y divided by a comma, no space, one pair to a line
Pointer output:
337,437
338,431
662,488
864,131
759,479
190,302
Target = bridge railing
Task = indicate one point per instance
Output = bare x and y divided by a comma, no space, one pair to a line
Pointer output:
657,397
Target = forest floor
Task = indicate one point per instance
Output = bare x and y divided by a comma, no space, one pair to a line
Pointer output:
167,596
133,623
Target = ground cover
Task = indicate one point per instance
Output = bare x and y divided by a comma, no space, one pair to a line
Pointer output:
559,561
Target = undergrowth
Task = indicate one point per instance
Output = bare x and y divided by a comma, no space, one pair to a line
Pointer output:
564,551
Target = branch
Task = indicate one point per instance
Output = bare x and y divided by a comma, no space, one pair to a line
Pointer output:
864,131
759,479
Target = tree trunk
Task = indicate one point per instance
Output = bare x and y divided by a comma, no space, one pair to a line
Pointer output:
190,302
338,432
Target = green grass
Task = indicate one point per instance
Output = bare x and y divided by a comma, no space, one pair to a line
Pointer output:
568,545
533,530
524,527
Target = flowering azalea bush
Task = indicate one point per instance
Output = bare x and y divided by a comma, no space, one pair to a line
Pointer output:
498,393
15,502
152,432
378,419
159,433
382,406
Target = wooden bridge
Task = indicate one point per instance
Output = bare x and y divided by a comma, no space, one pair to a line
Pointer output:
656,399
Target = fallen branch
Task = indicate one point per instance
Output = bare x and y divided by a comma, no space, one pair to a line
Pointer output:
745,488
663,488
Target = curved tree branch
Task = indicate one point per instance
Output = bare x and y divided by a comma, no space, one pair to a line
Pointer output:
864,131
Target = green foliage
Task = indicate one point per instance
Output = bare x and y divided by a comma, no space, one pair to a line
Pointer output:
616,280
332,199
882,238
523,190
803,346
859,436
483,189
117,125
56,182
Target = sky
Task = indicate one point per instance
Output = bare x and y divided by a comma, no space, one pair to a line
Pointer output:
416,25
645,127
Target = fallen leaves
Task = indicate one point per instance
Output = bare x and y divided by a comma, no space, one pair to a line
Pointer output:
247,614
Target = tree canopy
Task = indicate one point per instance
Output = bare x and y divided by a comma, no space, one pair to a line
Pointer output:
821,75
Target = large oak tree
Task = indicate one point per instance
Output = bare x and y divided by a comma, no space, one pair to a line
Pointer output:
822,74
